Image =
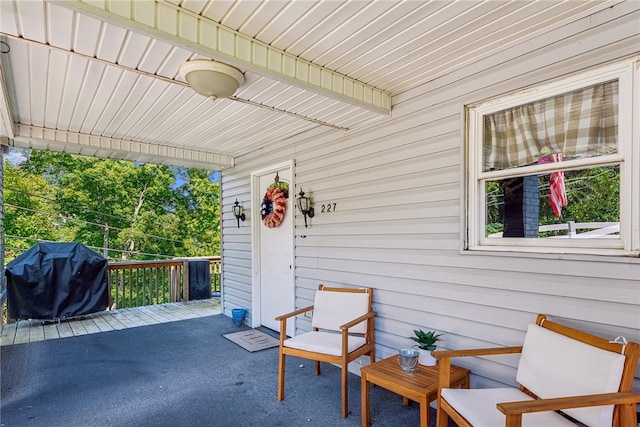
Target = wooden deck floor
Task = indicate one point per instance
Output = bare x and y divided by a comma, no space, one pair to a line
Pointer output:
35,330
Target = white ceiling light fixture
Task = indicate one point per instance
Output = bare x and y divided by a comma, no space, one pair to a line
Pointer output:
215,80
211,78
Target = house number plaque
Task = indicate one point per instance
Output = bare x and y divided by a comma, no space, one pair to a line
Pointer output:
328,207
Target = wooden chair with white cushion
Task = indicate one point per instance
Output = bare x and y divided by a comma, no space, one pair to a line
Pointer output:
342,331
586,377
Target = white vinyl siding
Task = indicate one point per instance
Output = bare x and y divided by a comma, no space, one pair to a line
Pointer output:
399,223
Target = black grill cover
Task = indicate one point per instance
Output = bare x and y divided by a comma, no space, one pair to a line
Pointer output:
56,281
199,280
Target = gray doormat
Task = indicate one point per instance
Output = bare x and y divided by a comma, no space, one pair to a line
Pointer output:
253,340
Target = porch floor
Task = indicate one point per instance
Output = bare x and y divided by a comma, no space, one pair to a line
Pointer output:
176,373
25,331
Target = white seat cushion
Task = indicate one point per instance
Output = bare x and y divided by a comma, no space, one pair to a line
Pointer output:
324,342
478,406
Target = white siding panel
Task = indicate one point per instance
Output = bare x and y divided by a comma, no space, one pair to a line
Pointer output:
110,43
37,11
396,185
86,34
63,36
91,80
568,50
39,61
74,82
8,23
55,90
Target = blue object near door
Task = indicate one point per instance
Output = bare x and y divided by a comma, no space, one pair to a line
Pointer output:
238,315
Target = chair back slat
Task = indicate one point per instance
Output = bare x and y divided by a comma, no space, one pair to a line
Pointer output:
332,308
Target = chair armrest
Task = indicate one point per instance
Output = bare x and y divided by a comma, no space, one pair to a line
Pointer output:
283,321
358,320
439,354
444,360
559,403
294,313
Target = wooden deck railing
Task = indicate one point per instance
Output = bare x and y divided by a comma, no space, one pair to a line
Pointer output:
138,283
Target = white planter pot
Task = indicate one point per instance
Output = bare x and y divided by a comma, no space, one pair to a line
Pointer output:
426,359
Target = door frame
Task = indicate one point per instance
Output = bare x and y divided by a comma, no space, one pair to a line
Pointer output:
256,244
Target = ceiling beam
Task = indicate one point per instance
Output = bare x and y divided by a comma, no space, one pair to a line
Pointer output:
191,31
39,138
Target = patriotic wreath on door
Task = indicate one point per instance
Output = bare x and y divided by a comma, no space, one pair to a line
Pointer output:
274,203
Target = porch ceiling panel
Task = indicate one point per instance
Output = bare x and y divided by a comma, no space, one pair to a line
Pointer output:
75,78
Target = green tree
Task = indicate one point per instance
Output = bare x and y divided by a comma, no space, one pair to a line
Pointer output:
593,195
200,213
30,210
136,210
120,203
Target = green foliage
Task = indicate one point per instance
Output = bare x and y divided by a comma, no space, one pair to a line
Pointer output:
136,211
494,227
201,212
28,216
426,340
494,197
593,195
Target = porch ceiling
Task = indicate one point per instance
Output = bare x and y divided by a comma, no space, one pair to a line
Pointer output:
101,78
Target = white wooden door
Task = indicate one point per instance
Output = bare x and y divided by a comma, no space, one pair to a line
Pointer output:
276,279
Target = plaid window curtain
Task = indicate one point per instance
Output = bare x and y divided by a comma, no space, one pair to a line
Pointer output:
581,123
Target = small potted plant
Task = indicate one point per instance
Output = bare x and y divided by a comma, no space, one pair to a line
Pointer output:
426,343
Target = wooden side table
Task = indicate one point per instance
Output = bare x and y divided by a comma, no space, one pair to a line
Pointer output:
421,387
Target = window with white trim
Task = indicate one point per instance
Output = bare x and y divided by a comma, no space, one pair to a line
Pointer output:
556,168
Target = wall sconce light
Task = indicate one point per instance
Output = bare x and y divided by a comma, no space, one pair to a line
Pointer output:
238,213
304,204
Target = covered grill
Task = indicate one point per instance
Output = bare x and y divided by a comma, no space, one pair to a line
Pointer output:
56,281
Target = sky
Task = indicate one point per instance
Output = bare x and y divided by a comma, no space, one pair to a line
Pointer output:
15,156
